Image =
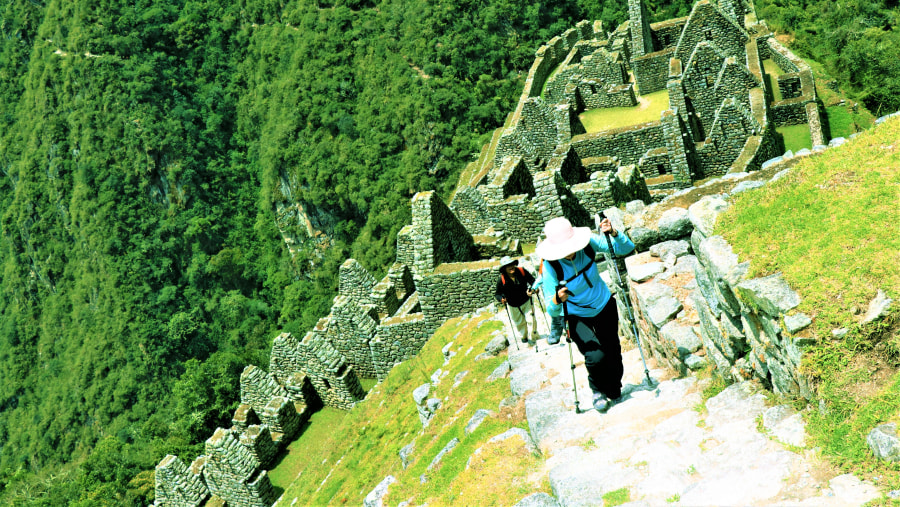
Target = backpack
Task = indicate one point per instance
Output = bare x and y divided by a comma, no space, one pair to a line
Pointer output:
557,267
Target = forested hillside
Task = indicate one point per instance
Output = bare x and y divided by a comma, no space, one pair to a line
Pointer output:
143,146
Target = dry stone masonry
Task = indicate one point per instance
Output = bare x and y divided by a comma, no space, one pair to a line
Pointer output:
721,119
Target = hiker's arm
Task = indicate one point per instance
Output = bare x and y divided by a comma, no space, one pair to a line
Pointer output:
622,244
548,285
498,292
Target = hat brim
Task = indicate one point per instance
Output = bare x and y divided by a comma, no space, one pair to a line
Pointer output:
555,251
513,262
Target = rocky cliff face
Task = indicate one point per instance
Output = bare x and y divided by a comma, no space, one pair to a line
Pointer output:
300,223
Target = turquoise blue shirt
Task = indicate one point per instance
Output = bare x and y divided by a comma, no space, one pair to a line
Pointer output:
588,294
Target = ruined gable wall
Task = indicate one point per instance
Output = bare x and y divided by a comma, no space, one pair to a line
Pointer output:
652,70
732,127
708,23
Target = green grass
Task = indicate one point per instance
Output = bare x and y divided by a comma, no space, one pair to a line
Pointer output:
831,228
313,445
842,122
598,120
365,446
796,137
617,497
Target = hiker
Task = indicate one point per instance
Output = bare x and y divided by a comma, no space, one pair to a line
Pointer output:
586,301
557,322
514,290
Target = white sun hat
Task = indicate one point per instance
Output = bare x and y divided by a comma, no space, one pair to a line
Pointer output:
562,239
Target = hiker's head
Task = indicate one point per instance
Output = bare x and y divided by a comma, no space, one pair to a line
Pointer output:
508,265
563,240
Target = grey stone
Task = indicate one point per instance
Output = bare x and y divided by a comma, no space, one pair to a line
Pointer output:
771,162
716,254
483,356
497,345
785,424
884,442
374,498
475,421
499,372
543,410
684,338
420,394
839,332
695,363
643,238
634,207
644,272
877,307
704,213
795,323
785,172
433,404
658,302
447,448
671,247
537,500
406,452
770,294
674,224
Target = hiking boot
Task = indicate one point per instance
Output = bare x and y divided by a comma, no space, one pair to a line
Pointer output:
601,402
552,341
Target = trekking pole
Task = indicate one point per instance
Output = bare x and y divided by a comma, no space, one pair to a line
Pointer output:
543,309
562,285
626,297
512,327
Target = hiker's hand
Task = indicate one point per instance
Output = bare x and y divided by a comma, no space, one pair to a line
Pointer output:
562,295
503,301
529,292
606,227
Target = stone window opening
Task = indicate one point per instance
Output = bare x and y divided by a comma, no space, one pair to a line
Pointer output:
327,384
710,81
709,35
661,169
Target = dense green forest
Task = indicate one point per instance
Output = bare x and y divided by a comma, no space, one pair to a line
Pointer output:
143,145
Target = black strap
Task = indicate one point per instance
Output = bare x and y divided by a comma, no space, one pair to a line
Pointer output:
557,267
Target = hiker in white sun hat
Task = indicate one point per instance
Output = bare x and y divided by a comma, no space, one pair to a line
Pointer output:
587,303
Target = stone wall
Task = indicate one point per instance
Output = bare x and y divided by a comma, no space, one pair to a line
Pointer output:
454,289
233,473
629,144
667,33
652,70
398,339
747,327
595,94
437,236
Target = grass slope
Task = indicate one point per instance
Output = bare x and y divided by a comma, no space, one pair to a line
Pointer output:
354,454
831,227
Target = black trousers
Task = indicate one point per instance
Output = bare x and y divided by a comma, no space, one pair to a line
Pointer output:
597,338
